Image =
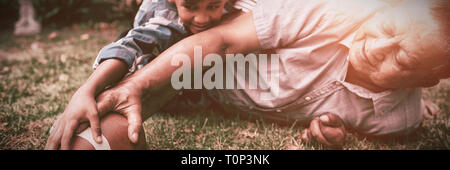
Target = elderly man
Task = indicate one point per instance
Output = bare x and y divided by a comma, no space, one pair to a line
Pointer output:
357,64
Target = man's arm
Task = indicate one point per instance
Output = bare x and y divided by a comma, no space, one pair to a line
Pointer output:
153,81
238,36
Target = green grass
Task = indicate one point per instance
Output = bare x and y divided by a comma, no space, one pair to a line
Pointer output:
37,83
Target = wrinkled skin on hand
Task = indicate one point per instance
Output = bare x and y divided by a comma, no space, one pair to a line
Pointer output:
124,99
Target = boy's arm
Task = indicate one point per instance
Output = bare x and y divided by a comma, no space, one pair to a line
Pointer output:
107,73
83,107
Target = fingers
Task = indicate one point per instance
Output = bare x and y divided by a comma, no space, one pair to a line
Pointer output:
327,129
55,136
332,129
316,132
331,120
335,136
95,127
68,133
104,105
134,126
305,135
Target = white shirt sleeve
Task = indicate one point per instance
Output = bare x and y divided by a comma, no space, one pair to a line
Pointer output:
245,5
282,23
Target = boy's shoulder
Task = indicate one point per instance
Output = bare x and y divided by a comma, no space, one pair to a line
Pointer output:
160,11
154,5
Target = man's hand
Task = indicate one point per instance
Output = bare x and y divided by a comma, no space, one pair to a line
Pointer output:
81,108
328,129
125,99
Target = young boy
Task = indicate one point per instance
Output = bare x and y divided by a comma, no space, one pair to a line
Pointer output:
158,25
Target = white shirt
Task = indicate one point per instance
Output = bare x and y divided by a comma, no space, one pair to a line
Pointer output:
312,38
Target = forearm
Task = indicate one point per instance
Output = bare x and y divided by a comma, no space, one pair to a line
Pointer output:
156,75
107,73
238,36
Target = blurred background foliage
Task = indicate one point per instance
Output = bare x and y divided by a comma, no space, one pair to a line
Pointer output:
59,13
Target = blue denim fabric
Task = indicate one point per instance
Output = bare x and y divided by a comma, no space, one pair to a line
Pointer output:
157,26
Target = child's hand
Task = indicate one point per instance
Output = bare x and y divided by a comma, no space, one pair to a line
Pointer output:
81,108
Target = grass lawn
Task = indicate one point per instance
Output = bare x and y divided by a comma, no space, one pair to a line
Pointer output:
39,74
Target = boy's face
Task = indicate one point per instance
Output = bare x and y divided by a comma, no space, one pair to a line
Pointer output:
199,15
400,48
